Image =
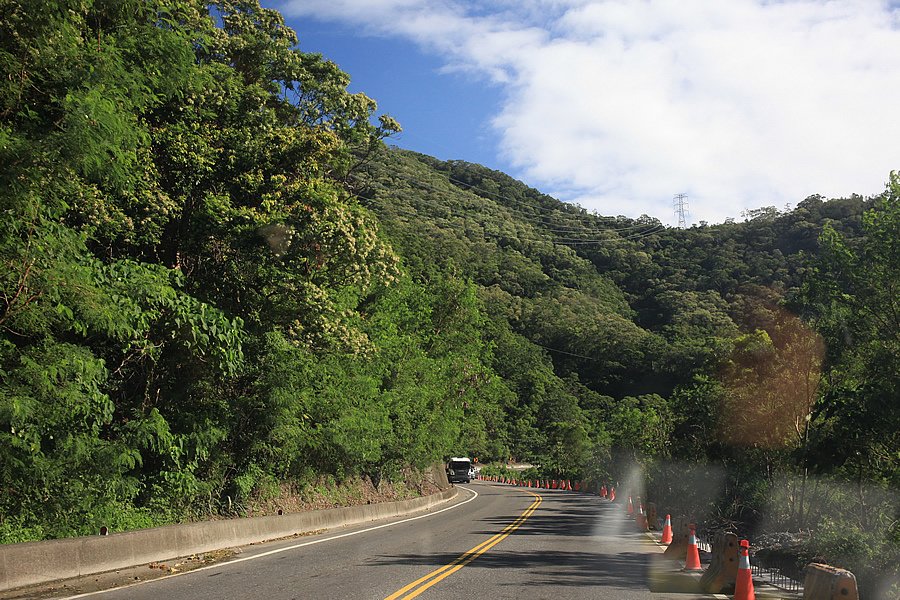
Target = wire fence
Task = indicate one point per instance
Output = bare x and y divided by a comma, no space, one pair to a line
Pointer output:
770,575
775,577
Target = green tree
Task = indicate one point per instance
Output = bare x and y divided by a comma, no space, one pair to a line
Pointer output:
853,297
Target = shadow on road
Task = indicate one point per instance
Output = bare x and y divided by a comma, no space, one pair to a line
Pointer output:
553,568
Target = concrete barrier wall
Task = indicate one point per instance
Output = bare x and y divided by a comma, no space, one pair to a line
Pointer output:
39,562
824,582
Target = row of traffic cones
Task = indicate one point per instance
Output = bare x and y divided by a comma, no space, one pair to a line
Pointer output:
609,494
634,508
744,583
547,484
638,513
553,484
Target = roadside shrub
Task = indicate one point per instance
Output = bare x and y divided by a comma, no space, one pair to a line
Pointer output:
872,556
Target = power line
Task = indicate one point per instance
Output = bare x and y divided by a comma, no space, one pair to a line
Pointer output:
540,208
407,133
531,206
650,228
575,212
568,241
563,351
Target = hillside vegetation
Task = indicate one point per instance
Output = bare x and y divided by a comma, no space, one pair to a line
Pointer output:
218,283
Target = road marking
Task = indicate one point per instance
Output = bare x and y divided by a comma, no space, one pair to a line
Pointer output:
423,583
279,550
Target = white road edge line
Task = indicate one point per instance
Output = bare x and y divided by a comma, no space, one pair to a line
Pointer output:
279,550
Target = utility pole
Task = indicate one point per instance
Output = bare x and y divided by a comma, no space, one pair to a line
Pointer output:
680,204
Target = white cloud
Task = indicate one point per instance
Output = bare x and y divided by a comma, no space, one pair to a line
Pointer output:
620,104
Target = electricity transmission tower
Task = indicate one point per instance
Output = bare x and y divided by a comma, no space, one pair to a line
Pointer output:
680,203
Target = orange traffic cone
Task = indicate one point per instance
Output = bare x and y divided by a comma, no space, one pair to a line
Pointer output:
667,531
692,561
642,523
744,586
629,508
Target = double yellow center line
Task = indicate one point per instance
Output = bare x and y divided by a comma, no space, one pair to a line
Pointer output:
423,583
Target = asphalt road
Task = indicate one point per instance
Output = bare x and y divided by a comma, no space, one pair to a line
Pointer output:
493,541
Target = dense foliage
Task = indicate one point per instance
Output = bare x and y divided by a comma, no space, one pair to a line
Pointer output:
194,308
218,280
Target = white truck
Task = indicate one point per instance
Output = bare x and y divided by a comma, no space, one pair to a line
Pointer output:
459,470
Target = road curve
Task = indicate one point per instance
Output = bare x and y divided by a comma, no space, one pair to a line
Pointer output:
493,541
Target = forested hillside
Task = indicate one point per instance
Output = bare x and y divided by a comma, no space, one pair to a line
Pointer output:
734,354
220,285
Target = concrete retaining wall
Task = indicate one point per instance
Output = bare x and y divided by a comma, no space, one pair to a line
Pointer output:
40,562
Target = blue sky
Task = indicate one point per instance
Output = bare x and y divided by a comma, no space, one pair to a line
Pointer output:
445,115
618,105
